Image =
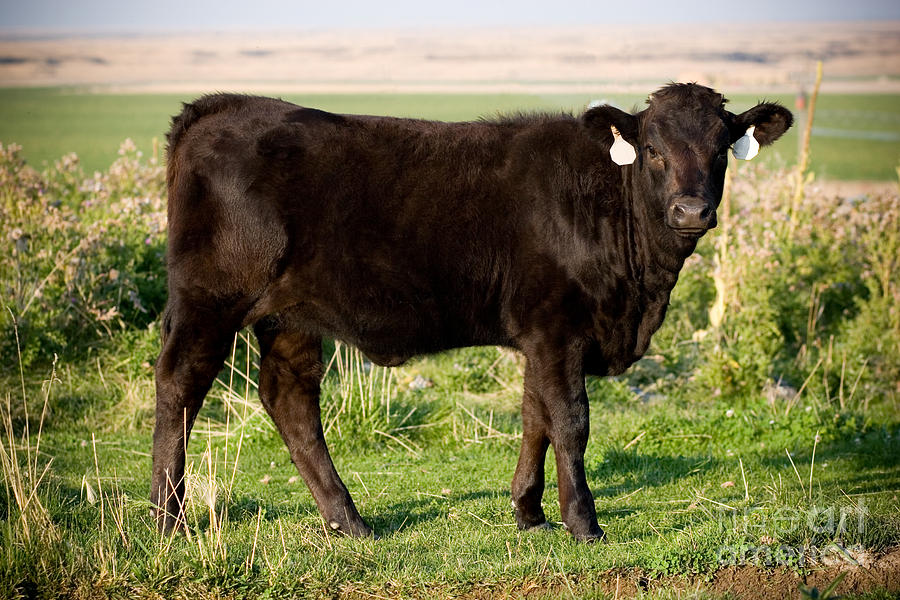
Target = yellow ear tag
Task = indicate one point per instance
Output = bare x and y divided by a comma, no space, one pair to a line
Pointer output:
746,147
621,152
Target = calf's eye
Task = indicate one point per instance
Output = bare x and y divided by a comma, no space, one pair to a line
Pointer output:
651,151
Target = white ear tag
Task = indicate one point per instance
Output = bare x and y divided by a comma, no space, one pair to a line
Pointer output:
621,152
746,147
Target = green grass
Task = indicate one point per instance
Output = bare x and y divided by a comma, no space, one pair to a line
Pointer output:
53,121
681,485
697,458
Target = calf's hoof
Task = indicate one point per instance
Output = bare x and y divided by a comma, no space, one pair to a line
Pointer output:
167,523
592,534
351,527
592,538
530,519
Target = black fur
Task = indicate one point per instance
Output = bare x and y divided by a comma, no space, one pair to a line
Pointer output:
406,237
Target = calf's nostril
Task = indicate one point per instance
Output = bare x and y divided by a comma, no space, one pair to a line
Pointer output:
678,211
704,214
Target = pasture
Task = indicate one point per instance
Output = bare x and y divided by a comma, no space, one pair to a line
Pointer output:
755,445
857,136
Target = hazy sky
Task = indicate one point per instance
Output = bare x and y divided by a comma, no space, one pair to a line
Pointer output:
142,15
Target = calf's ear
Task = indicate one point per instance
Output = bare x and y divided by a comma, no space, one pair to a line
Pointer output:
598,119
770,120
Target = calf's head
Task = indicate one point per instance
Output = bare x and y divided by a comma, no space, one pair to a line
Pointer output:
681,144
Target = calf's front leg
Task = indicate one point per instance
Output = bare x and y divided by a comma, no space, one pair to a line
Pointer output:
555,410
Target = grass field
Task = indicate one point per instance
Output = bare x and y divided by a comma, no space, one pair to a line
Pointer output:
753,450
857,136
682,486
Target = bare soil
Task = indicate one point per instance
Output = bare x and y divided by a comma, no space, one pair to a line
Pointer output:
861,57
747,582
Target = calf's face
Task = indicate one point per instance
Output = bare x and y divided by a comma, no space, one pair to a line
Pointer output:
681,142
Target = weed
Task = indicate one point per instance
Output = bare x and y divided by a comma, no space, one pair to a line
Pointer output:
83,255
827,594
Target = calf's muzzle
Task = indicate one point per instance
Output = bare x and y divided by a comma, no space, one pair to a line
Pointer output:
690,215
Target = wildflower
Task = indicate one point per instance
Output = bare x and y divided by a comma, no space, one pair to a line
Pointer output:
127,147
106,315
136,301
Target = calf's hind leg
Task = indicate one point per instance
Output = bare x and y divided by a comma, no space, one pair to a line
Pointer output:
289,378
195,344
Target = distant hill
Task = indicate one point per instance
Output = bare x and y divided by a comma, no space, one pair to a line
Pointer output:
861,57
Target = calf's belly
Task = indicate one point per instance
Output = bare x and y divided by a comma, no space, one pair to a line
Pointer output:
391,336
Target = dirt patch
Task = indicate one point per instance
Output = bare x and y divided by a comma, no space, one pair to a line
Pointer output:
745,582
749,582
